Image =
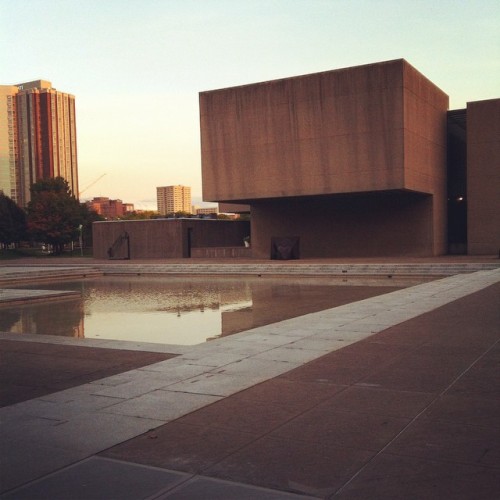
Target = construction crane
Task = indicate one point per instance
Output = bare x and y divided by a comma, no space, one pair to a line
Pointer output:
90,185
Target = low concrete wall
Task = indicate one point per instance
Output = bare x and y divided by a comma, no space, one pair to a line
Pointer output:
165,238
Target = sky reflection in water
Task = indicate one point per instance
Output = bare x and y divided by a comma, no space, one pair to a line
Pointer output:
177,310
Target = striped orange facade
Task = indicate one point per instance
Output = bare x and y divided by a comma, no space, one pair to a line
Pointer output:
45,133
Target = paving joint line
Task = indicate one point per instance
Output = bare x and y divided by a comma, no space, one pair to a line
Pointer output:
414,419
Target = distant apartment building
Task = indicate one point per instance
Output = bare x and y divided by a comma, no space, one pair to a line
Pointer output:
207,211
110,209
171,199
9,153
37,138
128,207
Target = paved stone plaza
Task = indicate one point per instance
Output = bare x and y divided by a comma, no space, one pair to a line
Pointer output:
395,396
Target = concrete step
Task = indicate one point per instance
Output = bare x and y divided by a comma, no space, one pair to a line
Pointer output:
18,275
299,269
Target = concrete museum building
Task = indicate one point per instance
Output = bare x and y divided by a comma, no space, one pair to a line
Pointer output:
363,161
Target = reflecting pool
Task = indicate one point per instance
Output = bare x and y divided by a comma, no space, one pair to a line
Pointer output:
180,310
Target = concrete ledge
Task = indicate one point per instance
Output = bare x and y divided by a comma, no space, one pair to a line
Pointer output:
15,275
297,269
221,252
10,297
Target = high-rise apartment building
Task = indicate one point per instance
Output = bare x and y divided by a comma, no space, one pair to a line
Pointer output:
172,199
9,153
37,138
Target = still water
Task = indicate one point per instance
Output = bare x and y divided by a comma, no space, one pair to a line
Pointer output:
178,310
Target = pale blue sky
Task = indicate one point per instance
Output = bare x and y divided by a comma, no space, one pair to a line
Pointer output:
136,66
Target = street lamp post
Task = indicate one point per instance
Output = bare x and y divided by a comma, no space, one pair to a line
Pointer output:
80,239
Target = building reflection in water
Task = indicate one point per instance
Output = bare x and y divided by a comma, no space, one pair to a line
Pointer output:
176,310
62,318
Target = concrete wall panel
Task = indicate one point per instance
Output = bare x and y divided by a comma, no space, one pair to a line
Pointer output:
233,208
332,132
358,226
483,177
425,108
147,239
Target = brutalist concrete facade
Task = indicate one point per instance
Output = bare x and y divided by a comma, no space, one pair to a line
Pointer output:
350,161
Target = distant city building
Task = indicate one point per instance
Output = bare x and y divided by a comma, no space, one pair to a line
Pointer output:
128,207
207,211
171,199
37,138
110,209
8,141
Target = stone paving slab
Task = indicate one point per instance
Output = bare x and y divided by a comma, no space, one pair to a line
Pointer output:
100,478
304,466
17,274
202,488
124,345
161,405
11,296
214,384
32,369
394,476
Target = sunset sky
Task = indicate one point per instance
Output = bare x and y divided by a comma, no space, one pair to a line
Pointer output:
136,66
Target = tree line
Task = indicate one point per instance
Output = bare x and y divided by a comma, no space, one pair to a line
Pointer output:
55,217
52,217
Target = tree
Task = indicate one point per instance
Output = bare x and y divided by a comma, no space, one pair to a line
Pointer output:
12,221
54,214
88,217
181,214
143,214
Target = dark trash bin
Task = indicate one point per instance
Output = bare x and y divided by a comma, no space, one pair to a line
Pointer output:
285,248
